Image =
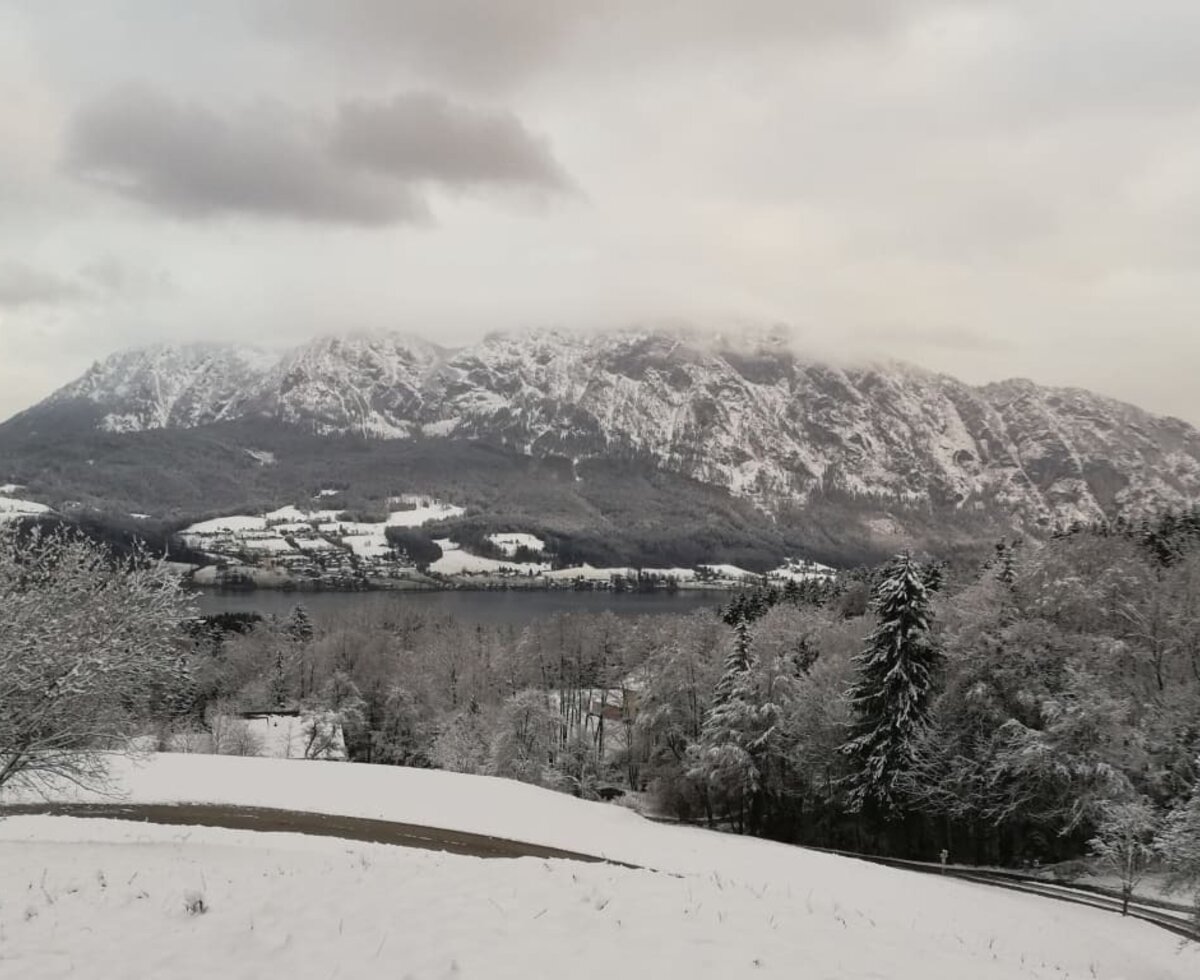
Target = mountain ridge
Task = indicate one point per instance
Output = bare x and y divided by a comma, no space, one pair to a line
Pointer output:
746,414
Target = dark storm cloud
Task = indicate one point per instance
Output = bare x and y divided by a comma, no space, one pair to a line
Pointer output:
189,161
21,285
424,136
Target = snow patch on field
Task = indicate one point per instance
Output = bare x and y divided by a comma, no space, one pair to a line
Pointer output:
237,523
12,508
729,572
107,899
289,513
509,542
587,573
370,544
799,570
456,561
435,511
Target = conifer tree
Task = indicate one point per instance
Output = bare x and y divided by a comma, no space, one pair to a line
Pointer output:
727,759
891,698
299,626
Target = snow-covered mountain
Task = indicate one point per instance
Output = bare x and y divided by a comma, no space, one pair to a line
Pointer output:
747,414
164,386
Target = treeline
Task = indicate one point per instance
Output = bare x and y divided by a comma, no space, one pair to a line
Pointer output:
1029,711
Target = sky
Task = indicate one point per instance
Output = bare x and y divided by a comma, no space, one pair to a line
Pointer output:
990,188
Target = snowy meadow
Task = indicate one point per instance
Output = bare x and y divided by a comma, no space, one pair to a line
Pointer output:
110,899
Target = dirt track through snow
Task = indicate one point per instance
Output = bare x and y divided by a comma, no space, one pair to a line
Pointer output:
269,820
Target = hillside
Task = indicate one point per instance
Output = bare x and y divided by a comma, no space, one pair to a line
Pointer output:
707,905
736,442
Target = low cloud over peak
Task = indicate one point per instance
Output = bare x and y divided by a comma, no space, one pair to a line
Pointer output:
359,168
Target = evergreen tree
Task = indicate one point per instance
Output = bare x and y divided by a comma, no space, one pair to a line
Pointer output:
727,759
279,686
299,626
892,697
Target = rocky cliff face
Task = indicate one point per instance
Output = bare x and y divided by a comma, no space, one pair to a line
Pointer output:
746,414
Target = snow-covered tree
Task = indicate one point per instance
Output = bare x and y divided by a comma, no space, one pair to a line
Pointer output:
299,625
894,691
1124,843
230,733
400,733
576,768
526,737
727,760
1179,846
89,653
337,708
463,743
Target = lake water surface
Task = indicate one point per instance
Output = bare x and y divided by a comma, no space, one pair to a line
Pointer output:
514,608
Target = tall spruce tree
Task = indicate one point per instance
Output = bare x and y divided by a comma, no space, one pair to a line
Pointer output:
299,626
725,760
892,696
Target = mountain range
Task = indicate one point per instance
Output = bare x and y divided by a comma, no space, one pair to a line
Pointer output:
768,442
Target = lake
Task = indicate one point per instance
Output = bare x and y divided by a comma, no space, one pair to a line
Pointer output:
514,608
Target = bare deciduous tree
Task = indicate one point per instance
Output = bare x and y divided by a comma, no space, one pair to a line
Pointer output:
91,648
1124,841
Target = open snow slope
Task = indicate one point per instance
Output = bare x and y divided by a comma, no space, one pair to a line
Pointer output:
109,898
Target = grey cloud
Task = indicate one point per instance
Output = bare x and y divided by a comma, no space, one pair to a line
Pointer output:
190,162
424,136
486,42
361,168
22,285
480,41
113,277
104,278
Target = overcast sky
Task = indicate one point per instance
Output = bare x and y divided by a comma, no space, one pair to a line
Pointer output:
985,187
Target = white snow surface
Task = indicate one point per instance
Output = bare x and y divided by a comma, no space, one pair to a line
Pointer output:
729,572
510,541
234,524
10,488
13,507
589,573
435,511
105,899
290,513
368,545
456,561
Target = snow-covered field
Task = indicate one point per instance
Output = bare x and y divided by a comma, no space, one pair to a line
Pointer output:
12,507
509,542
424,513
103,899
456,561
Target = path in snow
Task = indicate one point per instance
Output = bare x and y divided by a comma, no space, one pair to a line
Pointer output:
272,820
